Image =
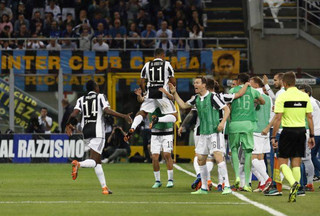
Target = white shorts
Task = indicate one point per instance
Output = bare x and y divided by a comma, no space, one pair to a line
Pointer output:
166,106
261,143
96,144
195,137
161,143
308,151
208,144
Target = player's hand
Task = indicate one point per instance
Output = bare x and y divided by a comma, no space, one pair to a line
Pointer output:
138,91
180,131
311,142
265,131
274,143
220,127
128,118
247,84
265,80
162,90
69,129
172,88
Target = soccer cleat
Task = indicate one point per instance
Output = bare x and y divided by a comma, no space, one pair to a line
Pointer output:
170,184
219,187
196,182
237,183
154,121
157,184
272,192
200,191
301,191
316,178
127,137
75,167
226,190
106,191
309,187
210,184
267,185
247,188
293,192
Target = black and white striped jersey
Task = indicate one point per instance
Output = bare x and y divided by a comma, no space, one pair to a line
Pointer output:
92,107
157,73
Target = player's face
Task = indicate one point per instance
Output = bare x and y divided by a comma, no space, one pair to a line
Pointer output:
234,83
277,82
253,84
225,66
198,86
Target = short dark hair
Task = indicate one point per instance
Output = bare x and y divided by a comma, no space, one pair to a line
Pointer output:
279,75
226,56
258,80
203,79
289,78
307,88
44,108
210,84
91,85
158,52
243,77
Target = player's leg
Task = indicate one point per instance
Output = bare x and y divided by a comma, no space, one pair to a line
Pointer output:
309,169
155,151
234,141
315,161
209,168
167,146
223,171
197,181
168,109
136,121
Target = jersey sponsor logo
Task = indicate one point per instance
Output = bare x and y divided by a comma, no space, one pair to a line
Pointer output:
295,104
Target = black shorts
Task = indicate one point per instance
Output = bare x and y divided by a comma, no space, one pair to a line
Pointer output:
292,142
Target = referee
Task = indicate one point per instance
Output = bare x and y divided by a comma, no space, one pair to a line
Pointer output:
292,108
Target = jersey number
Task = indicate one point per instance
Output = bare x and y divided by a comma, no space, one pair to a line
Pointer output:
87,112
246,102
152,75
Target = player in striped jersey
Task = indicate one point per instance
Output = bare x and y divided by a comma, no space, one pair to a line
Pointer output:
157,73
92,106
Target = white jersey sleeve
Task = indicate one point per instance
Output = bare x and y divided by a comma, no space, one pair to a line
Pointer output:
192,101
104,101
170,70
227,98
217,102
78,104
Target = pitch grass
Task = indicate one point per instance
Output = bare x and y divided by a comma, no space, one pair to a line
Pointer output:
131,184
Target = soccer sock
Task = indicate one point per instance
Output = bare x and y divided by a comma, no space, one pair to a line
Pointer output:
288,173
259,166
196,165
167,118
170,175
222,168
242,176
247,166
100,174
235,161
296,172
263,170
203,174
89,163
256,172
220,179
136,121
309,171
157,175
209,168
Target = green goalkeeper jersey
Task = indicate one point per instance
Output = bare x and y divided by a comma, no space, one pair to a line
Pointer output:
160,125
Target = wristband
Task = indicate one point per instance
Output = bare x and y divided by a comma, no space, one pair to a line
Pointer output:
311,135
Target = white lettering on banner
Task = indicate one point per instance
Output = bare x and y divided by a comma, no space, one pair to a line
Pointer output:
51,148
68,148
31,150
58,148
22,148
45,152
80,149
6,149
39,148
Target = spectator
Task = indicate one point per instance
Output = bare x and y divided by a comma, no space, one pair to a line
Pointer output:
132,9
117,42
35,44
135,42
5,45
98,19
21,20
159,19
165,44
23,32
44,120
20,45
34,126
68,45
85,37
164,29
38,28
5,10
82,17
102,7
54,9
122,147
53,45
179,33
196,37
133,29
6,33
100,45
178,16
54,30
6,22
118,29
47,24
68,20
148,33
67,112
165,5
101,31
142,20
196,20
120,8
21,10
68,32
36,18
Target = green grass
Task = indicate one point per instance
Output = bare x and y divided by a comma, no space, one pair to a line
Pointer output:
130,183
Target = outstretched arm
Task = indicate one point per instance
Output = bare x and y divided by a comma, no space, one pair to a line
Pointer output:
170,96
126,117
180,102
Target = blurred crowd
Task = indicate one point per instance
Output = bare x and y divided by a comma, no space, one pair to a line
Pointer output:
100,24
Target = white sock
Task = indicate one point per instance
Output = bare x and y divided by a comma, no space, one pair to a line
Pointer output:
89,163
170,175
242,175
309,168
263,170
157,175
196,165
257,172
136,121
209,168
222,169
100,174
220,179
203,174
167,118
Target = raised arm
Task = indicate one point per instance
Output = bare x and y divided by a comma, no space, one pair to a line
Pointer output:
268,89
180,102
138,92
242,91
143,84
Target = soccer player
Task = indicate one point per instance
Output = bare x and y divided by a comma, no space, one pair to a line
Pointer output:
92,106
243,122
261,138
291,108
161,140
208,106
158,73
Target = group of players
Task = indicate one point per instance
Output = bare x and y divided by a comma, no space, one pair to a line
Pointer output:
248,104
